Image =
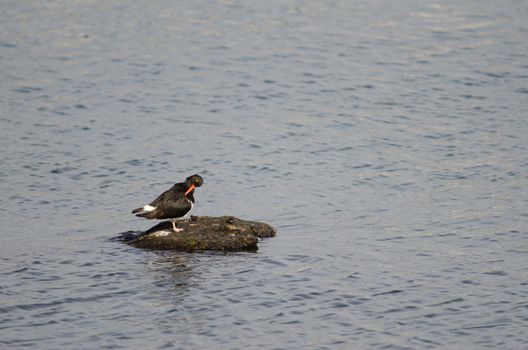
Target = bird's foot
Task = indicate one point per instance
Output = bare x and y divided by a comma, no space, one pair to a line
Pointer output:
175,228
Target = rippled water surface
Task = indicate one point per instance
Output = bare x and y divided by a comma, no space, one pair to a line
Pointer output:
385,140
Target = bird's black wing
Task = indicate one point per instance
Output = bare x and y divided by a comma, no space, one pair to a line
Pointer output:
171,203
172,194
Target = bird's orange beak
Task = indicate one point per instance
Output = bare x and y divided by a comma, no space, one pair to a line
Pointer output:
190,189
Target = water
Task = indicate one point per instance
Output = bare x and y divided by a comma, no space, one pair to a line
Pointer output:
386,141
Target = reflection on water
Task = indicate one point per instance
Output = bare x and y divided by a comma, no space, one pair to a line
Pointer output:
385,141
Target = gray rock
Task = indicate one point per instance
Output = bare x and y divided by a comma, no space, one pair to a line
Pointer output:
224,233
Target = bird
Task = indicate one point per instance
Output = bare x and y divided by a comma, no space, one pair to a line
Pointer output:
173,203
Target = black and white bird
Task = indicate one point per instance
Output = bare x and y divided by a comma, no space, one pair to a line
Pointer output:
173,203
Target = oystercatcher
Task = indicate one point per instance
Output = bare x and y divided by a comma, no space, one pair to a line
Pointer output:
173,203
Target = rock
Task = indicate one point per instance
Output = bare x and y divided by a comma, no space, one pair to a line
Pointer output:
224,233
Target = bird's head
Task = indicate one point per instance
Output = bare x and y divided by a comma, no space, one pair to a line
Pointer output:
192,182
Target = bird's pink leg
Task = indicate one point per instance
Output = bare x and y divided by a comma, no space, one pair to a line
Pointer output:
174,226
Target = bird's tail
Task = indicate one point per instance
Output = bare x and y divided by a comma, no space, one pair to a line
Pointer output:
146,211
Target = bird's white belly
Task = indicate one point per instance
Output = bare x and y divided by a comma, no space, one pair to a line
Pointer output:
192,204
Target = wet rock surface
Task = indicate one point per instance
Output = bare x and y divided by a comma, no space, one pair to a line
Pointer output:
224,233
